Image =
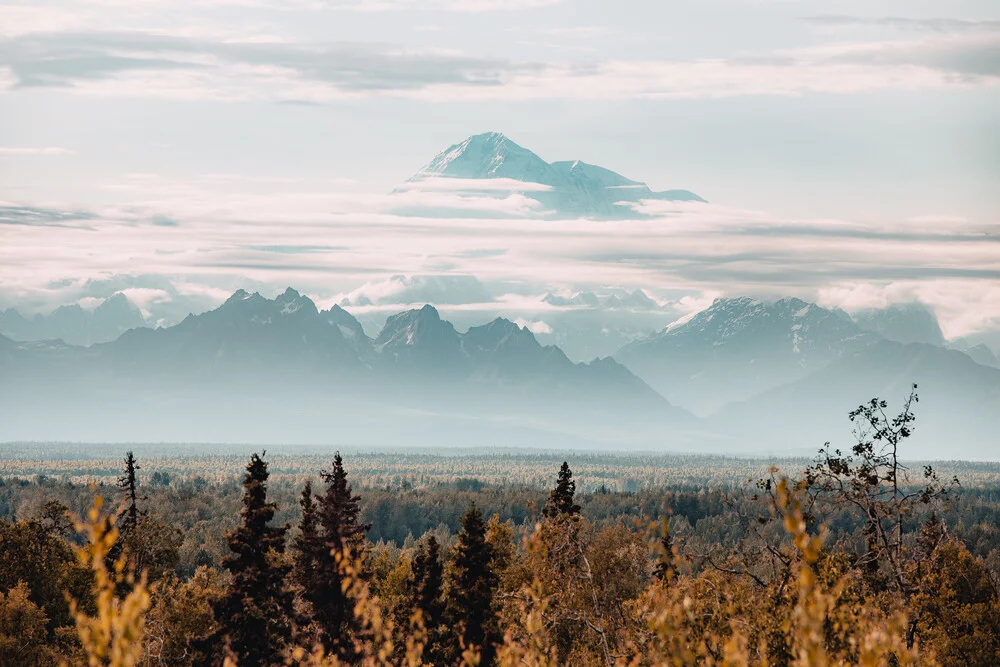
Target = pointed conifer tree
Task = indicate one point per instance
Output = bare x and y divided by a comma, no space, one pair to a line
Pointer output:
426,583
305,547
472,588
307,542
338,531
127,483
128,517
255,613
560,501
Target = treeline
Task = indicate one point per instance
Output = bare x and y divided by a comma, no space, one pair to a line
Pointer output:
856,561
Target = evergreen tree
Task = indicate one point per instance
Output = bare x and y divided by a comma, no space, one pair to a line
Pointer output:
255,613
336,530
473,585
128,518
127,483
560,501
426,582
307,542
306,546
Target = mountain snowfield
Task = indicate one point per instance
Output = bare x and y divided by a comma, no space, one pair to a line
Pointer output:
761,376
492,165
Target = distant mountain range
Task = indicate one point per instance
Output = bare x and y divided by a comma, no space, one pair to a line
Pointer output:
283,369
740,347
763,376
786,373
74,325
568,188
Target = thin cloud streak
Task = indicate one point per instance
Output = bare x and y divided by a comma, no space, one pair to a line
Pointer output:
185,67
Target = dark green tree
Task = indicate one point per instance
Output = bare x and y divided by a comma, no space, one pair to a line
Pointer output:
255,614
470,602
333,530
560,501
426,582
306,544
305,548
129,517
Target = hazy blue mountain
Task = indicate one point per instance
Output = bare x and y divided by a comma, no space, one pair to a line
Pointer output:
279,368
957,414
500,354
573,188
903,323
990,338
245,336
982,355
419,340
740,347
351,329
73,324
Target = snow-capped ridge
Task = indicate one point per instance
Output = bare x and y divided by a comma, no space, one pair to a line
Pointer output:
573,188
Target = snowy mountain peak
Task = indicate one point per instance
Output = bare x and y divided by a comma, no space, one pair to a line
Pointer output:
117,301
291,302
488,155
571,188
239,295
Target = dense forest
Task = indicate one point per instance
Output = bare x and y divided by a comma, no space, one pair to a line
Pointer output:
850,558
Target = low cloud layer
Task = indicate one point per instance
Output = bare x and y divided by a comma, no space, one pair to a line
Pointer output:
356,248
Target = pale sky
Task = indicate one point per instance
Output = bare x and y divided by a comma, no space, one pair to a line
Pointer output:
850,151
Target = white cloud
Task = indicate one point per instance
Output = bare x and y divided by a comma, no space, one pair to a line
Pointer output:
446,184
231,233
183,66
535,327
409,290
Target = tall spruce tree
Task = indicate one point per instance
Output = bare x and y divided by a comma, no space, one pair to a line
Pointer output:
307,542
336,530
255,614
426,583
305,547
474,583
129,518
560,501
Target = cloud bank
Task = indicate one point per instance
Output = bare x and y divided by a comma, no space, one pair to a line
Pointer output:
356,249
162,64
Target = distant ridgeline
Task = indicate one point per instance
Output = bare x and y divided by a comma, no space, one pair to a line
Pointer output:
741,376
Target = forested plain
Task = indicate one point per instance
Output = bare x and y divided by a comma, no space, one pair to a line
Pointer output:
164,555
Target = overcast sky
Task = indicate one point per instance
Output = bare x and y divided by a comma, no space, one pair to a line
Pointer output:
850,149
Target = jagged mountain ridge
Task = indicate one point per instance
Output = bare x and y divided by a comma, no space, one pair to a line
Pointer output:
572,188
740,347
73,324
269,363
